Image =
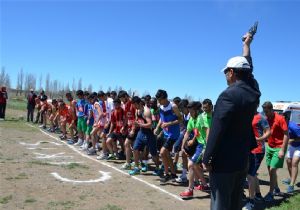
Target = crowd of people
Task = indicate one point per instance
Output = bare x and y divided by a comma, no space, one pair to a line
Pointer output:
116,126
227,140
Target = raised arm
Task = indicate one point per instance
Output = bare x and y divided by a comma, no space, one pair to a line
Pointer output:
246,45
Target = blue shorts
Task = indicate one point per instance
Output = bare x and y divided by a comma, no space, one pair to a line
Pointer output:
254,163
145,139
197,157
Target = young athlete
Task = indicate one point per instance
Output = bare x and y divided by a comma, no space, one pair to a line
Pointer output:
198,142
170,119
116,131
145,136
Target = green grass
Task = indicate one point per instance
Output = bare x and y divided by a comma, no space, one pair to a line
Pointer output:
111,207
290,204
17,124
30,200
22,176
41,163
5,199
64,204
17,104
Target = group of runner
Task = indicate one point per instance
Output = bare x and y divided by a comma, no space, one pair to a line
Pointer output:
131,128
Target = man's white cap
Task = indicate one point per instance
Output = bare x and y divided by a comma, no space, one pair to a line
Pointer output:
31,89
238,62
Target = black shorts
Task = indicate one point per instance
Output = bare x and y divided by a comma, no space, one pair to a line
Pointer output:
190,150
132,137
106,130
254,163
116,136
168,143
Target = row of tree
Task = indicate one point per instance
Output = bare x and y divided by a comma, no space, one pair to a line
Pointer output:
54,88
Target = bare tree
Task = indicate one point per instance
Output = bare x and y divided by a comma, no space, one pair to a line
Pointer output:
55,87
67,87
73,87
130,92
61,90
7,81
116,88
30,82
18,85
146,92
136,93
2,76
188,97
20,81
120,88
90,88
41,82
79,86
109,89
50,92
47,83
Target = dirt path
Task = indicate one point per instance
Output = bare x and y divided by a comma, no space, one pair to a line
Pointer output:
40,172
29,157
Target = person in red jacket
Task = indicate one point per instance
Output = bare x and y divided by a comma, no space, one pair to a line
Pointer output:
3,100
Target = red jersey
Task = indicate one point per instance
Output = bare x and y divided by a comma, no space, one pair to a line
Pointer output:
118,118
259,124
277,126
66,114
130,114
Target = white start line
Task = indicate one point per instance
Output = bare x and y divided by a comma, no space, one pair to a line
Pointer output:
105,176
65,163
46,156
112,167
44,148
40,142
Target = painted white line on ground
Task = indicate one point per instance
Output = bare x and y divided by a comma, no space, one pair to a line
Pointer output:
46,156
40,142
45,148
105,176
113,167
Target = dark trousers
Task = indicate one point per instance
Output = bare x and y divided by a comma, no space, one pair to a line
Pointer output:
227,190
2,110
30,112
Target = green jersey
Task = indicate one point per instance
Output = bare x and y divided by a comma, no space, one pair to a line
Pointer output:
198,127
207,117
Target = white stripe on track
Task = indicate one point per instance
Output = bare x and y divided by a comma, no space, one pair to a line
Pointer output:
110,166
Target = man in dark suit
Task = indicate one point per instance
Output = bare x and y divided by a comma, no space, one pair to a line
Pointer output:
231,137
30,105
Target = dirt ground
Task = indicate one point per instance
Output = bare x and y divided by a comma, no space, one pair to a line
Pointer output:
28,157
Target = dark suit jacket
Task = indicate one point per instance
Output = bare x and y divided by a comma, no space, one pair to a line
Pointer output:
231,136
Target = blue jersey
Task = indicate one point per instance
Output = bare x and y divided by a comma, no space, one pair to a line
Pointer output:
167,115
90,114
80,107
294,132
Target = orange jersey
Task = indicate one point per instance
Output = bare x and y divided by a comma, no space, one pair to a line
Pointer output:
66,114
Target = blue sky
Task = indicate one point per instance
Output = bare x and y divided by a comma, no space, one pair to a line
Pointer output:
179,46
